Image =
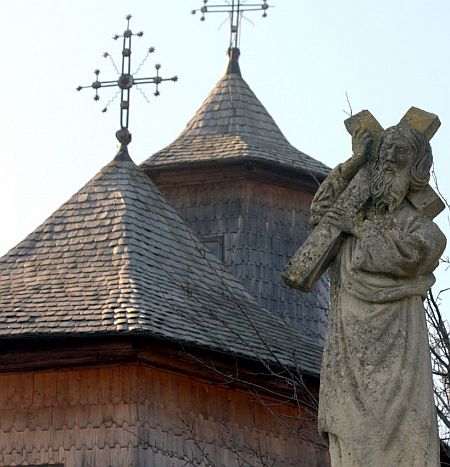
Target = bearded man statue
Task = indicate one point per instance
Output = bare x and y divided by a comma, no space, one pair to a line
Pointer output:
376,397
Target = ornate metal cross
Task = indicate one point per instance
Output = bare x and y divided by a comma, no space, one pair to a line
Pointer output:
235,9
126,81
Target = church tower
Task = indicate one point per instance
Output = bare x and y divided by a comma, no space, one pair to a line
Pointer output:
246,191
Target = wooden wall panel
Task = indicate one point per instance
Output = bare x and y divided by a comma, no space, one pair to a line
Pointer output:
262,225
141,417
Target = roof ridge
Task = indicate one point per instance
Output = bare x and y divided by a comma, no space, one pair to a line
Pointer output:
117,258
232,109
129,293
120,314
233,62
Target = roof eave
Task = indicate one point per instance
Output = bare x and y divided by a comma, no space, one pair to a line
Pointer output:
245,162
27,352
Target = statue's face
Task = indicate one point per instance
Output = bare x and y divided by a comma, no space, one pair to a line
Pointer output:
396,154
391,177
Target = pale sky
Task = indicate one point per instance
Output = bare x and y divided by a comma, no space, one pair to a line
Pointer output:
300,61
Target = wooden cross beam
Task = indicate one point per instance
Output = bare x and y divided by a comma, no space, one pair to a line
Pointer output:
318,251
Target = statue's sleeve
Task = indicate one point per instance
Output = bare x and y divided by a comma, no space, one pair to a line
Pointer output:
329,192
407,250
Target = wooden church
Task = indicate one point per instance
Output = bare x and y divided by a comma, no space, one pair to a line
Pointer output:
137,334
246,191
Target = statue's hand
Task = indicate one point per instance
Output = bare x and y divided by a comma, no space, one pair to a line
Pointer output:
344,221
361,142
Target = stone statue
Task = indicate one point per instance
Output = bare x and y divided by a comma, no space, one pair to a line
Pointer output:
375,230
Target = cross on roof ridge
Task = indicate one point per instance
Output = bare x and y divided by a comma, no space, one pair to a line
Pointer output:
125,82
235,9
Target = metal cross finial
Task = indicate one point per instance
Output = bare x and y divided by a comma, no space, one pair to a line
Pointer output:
235,9
126,81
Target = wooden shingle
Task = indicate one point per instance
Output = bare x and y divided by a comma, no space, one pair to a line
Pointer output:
117,259
232,125
232,153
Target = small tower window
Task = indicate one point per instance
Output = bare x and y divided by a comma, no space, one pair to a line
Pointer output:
215,245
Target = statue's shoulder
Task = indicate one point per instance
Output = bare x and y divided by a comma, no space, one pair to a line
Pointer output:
414,220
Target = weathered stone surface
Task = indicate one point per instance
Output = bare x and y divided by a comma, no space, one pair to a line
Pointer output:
313,258
366,120
426,201
376,398
424,122
315,255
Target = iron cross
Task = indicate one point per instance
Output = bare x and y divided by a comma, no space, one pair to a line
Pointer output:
126,81
235,9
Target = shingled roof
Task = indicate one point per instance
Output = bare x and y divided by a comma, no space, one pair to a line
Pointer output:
116,259
232,125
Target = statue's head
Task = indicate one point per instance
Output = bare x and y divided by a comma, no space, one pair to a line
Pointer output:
403,163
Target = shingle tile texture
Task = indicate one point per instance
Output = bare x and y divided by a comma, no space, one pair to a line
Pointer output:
117,259
233,125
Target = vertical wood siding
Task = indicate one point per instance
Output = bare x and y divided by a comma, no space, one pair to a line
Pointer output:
262,226
141,417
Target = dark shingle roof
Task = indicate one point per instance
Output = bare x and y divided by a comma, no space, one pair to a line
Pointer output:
117,259
233,125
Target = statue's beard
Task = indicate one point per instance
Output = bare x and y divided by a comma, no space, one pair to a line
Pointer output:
388,189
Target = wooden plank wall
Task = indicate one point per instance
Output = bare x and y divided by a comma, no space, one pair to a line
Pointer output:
262,225
138,416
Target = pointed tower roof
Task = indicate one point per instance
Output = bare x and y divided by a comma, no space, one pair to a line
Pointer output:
116,259
232,125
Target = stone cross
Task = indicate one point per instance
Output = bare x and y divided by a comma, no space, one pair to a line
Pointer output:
317,252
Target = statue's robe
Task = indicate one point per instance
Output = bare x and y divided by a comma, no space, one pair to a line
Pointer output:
376,396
